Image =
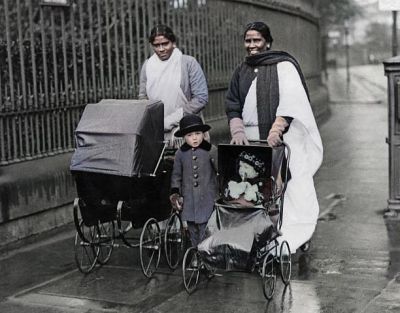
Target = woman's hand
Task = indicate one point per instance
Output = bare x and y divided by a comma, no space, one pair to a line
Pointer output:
237,132
239,139
275,134
274,139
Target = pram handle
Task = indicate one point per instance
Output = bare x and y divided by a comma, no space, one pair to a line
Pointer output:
159,159
258,140
265,141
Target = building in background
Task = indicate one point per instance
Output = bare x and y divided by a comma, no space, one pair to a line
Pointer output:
368,39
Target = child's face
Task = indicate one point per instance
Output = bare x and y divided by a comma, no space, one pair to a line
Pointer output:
194,139
246,171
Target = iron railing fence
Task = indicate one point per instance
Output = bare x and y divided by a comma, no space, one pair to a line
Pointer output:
56,59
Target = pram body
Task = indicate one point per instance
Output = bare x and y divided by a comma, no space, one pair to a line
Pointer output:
122,171
245,238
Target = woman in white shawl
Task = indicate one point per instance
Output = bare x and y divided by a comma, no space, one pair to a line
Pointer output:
268,99
172,77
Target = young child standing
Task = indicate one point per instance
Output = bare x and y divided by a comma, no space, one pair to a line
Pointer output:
194,177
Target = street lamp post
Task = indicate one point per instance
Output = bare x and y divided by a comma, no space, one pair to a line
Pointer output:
394,34
394,6
346,37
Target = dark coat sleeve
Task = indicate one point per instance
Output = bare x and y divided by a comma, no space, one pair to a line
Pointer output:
233,105
176,176
214,158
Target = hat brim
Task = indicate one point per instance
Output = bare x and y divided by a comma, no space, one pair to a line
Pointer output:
182,132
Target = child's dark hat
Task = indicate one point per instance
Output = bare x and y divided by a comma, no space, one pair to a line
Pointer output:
190,123
252,160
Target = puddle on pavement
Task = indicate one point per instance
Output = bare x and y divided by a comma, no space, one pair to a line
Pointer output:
328,217
327,210
107,290
295,297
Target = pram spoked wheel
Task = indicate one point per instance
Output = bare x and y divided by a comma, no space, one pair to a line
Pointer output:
85,248
268,275
150,247
86,252
173,240
285,262
105,241
191,269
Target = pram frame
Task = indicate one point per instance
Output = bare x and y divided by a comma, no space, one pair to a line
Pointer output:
267,257
94,243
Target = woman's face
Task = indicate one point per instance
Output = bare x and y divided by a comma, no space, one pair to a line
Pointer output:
163,47
254,42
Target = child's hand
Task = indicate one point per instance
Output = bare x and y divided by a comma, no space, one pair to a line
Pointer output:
176,201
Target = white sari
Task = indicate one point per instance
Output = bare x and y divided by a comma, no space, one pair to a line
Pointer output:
301,209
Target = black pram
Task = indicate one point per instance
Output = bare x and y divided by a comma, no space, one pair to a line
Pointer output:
122,171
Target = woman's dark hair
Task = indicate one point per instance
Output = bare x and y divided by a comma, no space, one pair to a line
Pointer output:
262,28
162,30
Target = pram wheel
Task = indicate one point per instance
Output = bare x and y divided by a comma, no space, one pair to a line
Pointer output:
209,271
173,240
150,247
268,276
124,226
285,262
86,249
106,238
191,269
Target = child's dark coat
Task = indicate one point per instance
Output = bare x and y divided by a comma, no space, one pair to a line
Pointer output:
194,177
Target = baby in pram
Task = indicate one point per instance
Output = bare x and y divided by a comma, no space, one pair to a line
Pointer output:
246,190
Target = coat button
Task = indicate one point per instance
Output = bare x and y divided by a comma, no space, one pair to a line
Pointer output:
195,167
195,184
196,175
194,157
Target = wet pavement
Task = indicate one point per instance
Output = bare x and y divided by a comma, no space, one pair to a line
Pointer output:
352,266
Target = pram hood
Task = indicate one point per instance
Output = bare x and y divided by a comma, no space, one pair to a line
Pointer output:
119,137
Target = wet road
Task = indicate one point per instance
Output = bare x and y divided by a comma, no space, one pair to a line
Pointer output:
352,265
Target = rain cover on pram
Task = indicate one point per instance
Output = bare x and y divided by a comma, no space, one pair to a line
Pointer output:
119,137
235,233
119,157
